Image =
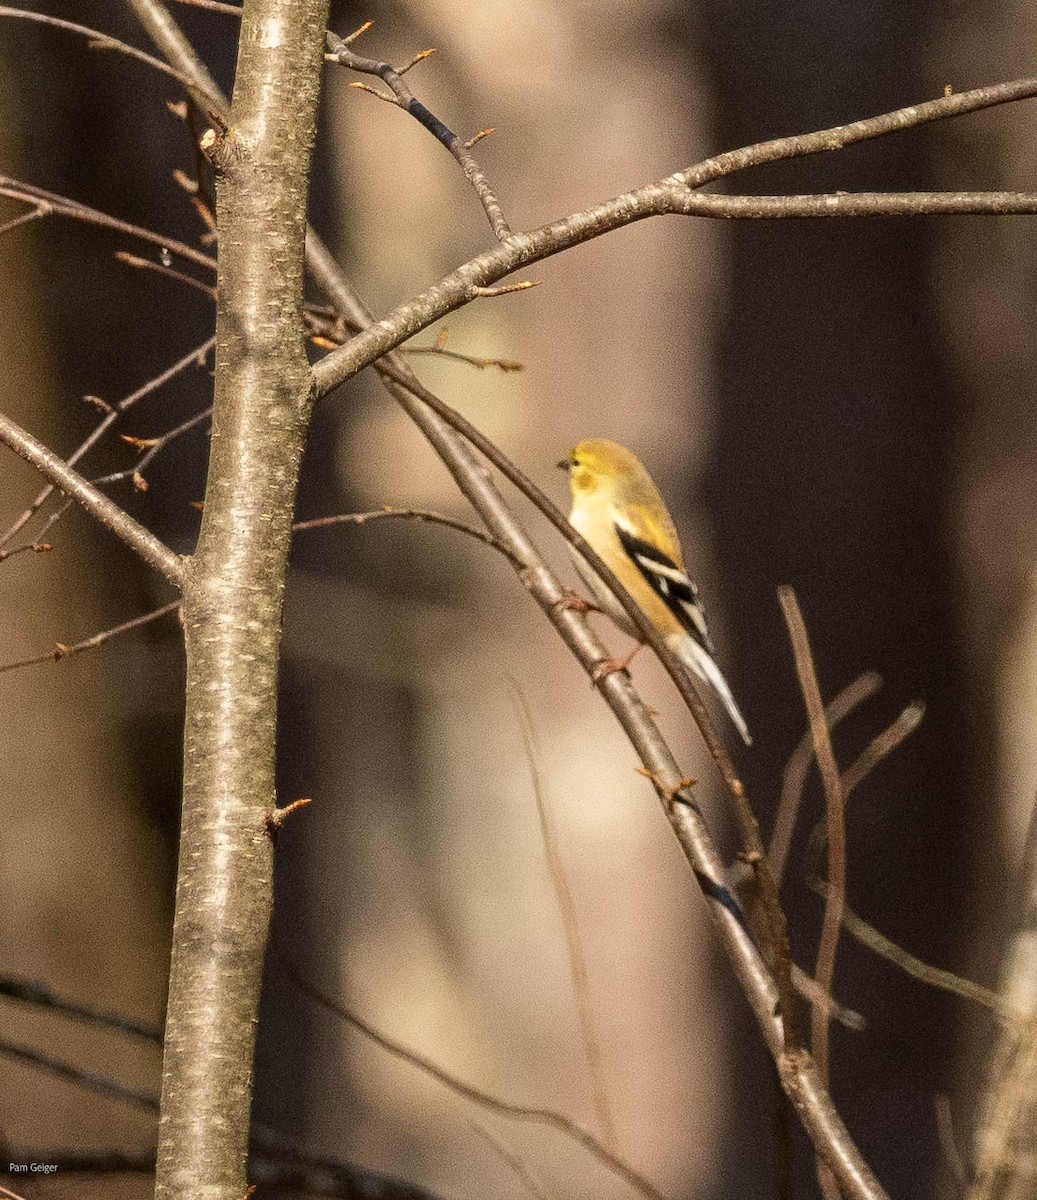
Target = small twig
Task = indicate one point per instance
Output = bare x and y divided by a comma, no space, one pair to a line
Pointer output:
35,547
278,816
570,924
936,977
514,1160
63,650
142,541
150,447
340,52
948,1142
485,1099
97,39
230,10
417,514
147,264
835,807
807,986
507,365
504,289
99,1084
112,414
34,214
798,767
61,206
854,775
884,744
31,991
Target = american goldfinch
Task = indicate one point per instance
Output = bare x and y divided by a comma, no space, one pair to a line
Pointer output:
618,509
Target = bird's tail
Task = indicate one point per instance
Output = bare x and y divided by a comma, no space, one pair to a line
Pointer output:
698,661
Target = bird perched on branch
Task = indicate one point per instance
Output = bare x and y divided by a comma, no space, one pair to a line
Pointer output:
618,509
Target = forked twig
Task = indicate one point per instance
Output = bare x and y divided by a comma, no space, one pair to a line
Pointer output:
835,809
487,1100
798,767
570,924
339,52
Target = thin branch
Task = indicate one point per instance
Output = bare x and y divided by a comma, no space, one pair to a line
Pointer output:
418,514
910,964
522,1112
151,447
570,923
884,744
112,414
92,1082
63,650
835,808
507,365
57,471
798,767
159,268
854,775
31,991
513,1159
840,136
677,194
98,40
230,10
61,206
339,52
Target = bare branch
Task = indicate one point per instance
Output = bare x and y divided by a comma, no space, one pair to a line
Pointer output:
58,472
230,10
676,194
112,414
146,264
402,96
31,991
150,447
92,1082
418,514
49,203
835,808
570,924
63,650
798,767
884,744
484,1099
936,977
98,40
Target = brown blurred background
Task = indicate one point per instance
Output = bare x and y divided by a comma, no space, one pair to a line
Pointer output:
844,406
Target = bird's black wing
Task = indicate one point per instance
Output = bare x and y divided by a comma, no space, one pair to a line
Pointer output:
670,584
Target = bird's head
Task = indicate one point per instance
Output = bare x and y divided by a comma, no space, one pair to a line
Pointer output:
597,463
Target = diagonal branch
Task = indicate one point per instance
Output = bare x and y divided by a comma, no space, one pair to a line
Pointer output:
142,541
48,203
487,1100
112,414
403,98
835,810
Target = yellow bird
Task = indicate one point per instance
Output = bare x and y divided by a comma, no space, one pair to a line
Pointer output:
618,509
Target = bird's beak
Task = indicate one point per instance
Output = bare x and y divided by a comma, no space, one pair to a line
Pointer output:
564,465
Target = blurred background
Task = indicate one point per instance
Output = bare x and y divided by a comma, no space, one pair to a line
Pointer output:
844,406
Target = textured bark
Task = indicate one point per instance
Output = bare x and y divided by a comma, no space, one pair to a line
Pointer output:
232,603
